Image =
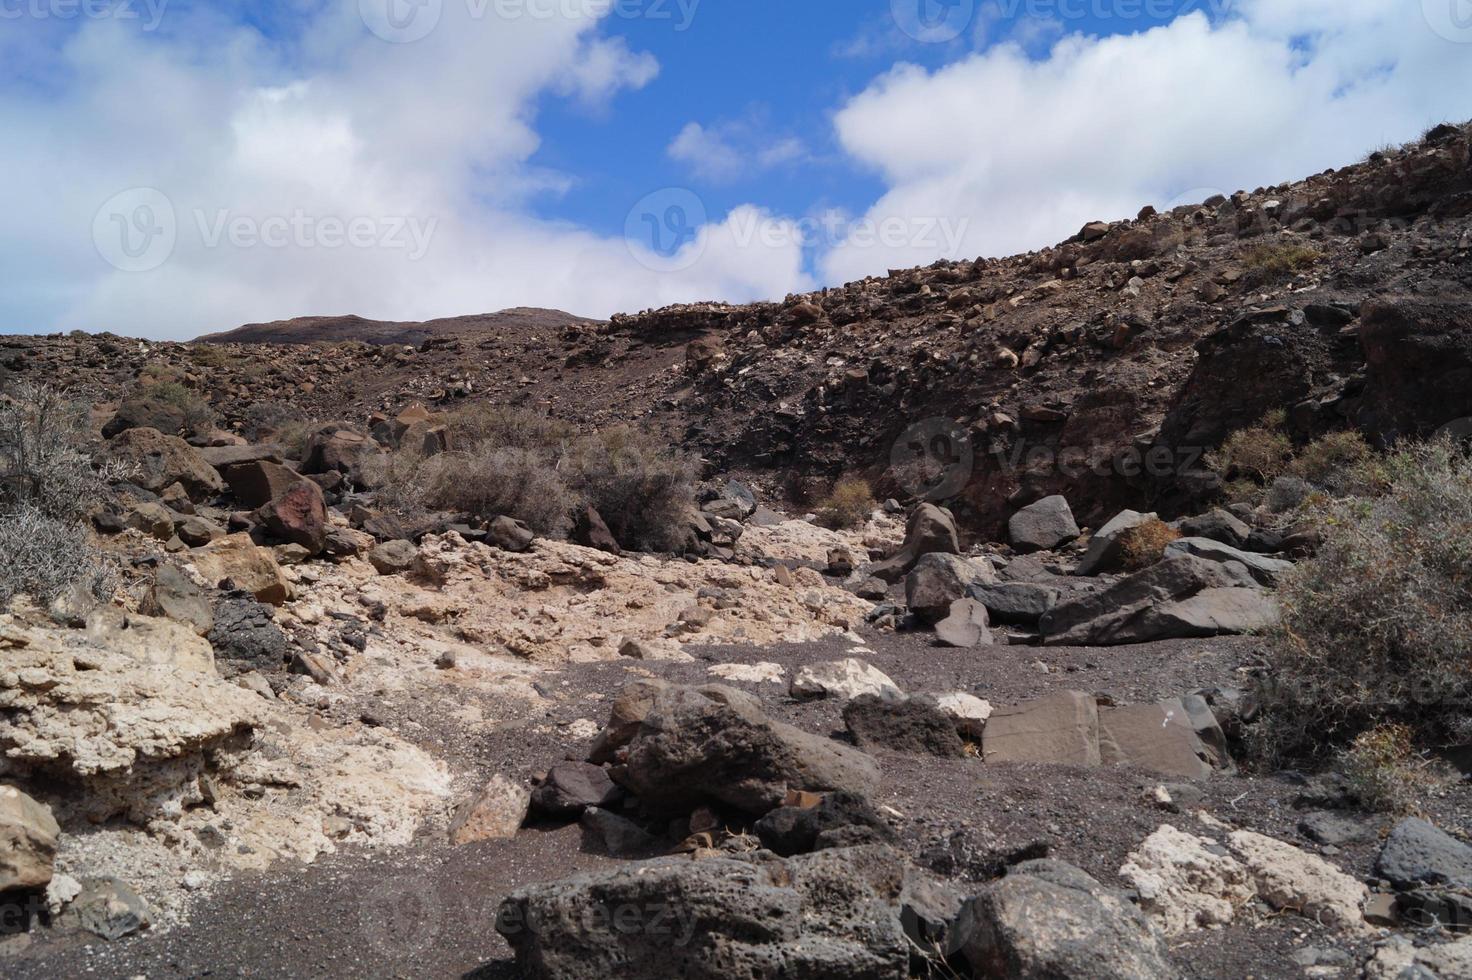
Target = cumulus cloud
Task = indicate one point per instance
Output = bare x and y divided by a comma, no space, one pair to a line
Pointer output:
1025,150
734,149
172,182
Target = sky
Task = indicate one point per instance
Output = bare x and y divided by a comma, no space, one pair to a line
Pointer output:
175,168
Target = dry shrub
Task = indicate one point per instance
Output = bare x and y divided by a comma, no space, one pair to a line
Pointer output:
643,490
1384,769
198,414
1340,464
1377,628
489,482
1144,545
849,505
47,487
1259,454
504,427
1280,260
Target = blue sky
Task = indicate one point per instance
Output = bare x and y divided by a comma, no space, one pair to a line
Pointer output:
186,167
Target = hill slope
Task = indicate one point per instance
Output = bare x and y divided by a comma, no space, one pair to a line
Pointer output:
311,329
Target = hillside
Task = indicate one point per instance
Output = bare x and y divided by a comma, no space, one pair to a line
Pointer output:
339,329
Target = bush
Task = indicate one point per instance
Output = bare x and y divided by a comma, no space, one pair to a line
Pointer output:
1259,454
1144,545
1384,771
849,505
1280,260
502,427
1377,628
198,414
644,491
1340,464
47,487
489,482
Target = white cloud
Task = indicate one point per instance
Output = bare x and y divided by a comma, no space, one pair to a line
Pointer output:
734,149
1028,150
298,172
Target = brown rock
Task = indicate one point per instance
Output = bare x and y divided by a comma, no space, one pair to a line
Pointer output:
496,813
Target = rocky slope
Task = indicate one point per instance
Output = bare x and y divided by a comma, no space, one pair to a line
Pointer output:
341,329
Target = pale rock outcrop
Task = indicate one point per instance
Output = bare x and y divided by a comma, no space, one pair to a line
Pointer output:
1289,878
1187,882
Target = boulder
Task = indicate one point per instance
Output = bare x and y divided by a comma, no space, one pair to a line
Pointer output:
248,567
1153,736
1265,571
1014,603
298,516
571,787
915,726
1187,882
1289,878
591,531
734,501
938,580
630,708
226,456
394,557
1218,525
1104,551
1059,728
619,836
496,813
156,461
843,680
28,836
930,530
714,744
338,448
1419,853
1042,526
109,908
173,595
835,913
256,483
197,532
1182,596
838,820
966,627
152,519
245,630
509,534
147,412
1047,919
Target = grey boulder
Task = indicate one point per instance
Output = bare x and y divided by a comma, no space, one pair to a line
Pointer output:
1042,526
1265,571
939,580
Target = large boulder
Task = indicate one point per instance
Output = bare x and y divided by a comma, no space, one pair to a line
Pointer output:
1014,603
495,813
824,916
147,412
256,483
338,448
173,595
915,726
298,516
967,626
28,836
714,744
1419,853
1182,596
247,566
157,461
939,580
1264,570
1047,919
1042,526
1105,550
1060,728
930,530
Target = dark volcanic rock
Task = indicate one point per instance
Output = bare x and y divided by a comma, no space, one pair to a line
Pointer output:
839,820
916,726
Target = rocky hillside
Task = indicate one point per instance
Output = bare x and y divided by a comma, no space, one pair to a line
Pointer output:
308,694
341,329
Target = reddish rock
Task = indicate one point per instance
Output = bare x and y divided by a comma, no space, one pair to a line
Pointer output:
298,516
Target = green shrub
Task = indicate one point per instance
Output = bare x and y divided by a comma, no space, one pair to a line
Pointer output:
849,505
1339,464
1377,628
1384,769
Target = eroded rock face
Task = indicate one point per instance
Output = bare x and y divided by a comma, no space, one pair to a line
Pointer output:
697,745
1419,358
833,914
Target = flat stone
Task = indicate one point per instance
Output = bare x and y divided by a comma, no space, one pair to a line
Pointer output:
966,627
1060,728
1152,736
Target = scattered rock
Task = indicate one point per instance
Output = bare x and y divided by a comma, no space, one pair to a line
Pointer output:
1187,882
298,516
238,560
156,461
28,838
394,557
1061,728
496,813
969,712
620,837
966,627
930,530
571,787
1288,878
843,680
511,535
1042,526
1104,551
939,580
915,726
1418,853
838,820
1266,571
175,596
110,909
1015,603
